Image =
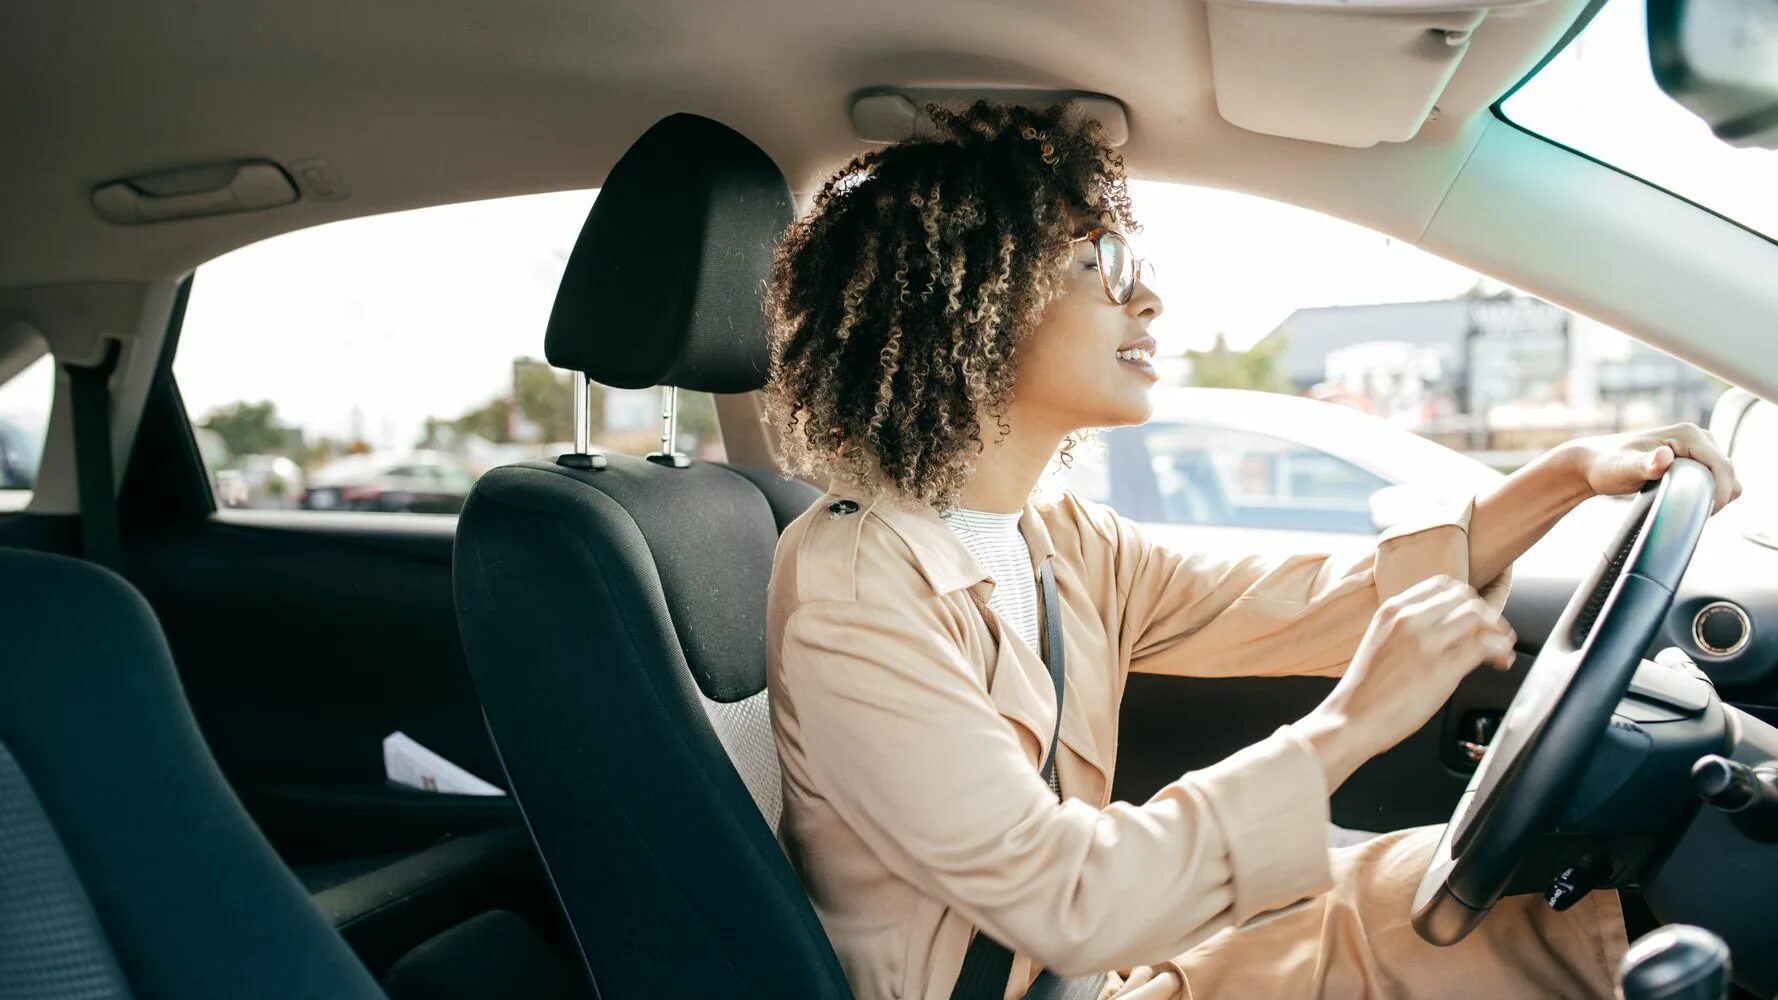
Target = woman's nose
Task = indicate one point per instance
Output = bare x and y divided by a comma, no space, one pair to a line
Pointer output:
1146,302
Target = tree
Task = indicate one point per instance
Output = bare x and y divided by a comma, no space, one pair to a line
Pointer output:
697,416
249,428
543,398
1256,368
538,407
321,451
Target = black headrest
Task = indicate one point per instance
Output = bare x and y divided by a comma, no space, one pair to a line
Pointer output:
664,284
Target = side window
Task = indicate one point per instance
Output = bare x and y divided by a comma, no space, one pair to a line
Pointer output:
24,419
383,364
1315,475
1420,376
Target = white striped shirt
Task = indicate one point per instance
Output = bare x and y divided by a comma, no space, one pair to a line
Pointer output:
999,547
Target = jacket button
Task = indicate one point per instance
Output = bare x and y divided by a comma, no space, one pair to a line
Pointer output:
840,508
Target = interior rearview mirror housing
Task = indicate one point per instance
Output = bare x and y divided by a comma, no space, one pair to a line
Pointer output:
1719,58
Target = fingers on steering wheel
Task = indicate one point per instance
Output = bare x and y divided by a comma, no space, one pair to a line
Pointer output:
1693,442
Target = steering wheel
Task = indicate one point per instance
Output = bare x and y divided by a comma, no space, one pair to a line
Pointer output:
1549,732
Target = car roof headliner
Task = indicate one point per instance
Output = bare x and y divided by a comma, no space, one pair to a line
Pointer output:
419,102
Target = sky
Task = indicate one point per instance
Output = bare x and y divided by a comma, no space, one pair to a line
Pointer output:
369,326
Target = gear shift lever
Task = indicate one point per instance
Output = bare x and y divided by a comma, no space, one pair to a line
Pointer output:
1676,962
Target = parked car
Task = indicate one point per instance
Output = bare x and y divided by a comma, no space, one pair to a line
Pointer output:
421,482
1234,470
19,453
1237,467
262,481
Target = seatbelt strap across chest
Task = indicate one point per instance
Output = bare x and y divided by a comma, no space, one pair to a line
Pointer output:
988,963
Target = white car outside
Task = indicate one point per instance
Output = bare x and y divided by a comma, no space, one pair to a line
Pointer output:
1229,470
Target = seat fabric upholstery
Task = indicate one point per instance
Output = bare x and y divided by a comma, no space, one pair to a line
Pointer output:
127,865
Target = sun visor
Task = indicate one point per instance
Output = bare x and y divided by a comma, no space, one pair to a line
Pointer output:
1352,73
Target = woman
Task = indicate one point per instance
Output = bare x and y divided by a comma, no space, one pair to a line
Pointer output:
952,314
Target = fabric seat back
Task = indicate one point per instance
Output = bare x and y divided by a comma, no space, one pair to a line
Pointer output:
127,865
614,617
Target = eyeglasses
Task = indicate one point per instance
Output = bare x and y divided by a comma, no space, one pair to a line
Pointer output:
1119,269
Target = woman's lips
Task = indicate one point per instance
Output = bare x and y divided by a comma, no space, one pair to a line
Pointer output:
1141,363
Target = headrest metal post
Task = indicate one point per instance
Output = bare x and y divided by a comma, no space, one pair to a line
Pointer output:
582,400
582,457
669,431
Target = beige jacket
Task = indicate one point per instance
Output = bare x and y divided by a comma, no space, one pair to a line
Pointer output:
911,725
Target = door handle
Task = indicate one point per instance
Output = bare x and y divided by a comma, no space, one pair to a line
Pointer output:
1475,732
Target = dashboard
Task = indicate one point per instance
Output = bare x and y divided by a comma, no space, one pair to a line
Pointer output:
1725,615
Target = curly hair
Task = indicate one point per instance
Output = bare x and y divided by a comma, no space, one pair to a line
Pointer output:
897,306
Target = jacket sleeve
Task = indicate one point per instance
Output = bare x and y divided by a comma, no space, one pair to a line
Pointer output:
901,736
1194,615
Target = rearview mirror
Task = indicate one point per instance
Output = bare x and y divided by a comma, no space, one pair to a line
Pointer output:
1719,58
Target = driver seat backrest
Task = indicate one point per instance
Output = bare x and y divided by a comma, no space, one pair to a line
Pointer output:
127,865
614,617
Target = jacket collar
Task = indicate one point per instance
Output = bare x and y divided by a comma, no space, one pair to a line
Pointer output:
938,554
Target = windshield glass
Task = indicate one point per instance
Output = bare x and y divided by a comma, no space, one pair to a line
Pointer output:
1599,96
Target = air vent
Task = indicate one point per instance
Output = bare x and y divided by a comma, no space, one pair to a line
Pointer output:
1721,628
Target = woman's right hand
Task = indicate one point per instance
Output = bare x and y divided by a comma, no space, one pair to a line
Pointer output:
1420,644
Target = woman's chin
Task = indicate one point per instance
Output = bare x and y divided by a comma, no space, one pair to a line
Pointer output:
1128,409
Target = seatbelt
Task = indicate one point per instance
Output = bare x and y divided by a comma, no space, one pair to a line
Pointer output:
988,963
90,394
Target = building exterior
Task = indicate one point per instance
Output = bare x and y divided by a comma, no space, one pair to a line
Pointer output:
1486,372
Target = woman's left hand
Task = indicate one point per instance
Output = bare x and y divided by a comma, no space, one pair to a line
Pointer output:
1621,463
1145,983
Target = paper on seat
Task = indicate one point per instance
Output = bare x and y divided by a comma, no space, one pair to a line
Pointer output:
407,763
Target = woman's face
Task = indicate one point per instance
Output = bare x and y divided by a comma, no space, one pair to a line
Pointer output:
1070,375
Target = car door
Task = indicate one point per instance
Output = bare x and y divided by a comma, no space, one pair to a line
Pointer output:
318,648
306,638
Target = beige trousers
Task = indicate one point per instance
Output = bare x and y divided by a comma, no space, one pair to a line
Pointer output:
1356,941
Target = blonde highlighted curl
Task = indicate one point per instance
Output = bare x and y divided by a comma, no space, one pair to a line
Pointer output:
896,308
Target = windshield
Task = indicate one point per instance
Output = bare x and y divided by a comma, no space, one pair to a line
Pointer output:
1598,96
